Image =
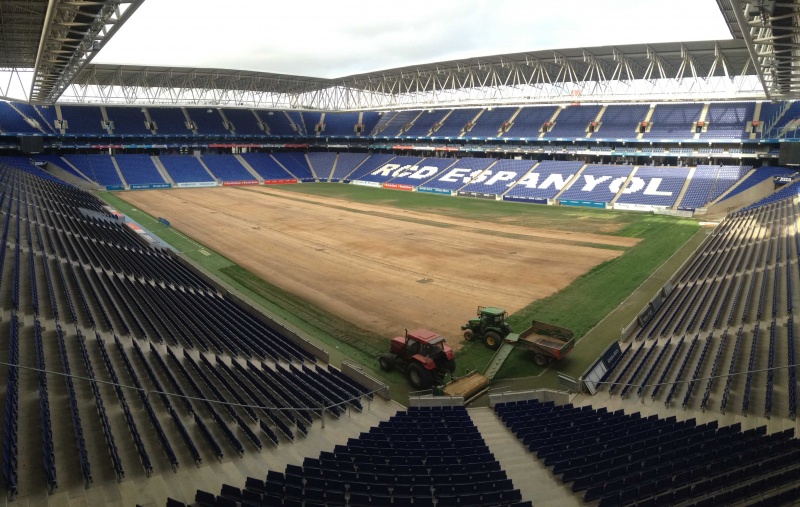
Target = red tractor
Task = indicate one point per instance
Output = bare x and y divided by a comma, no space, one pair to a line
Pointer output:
422,355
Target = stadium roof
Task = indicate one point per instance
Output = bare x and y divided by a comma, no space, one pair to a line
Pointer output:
57,38
760,61
566,74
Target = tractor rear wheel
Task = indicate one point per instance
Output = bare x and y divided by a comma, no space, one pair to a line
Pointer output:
469,335
419,377
541,360
493,340
387,362
450,365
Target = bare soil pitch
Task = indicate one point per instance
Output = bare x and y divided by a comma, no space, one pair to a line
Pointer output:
381,268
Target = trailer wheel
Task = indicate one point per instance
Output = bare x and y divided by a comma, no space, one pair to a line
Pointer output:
387,362
541,360
419,377
493,340
469,335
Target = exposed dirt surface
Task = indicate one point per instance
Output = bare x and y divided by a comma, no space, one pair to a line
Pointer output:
381,268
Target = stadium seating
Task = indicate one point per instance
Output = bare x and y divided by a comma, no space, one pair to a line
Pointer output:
138,169
459,174
338,124
674,121
278,123
185,169
127,121
529,121
346,163
208,121
424,123
727,120
621,121
83,120
546,180
296,164
597,183
99,168
170,121
455,122
396,166
93,276
701,184
396,463
655,186
761,174
13,122
226,168
626,459
500,177
244,121
573,121
490,122
322,163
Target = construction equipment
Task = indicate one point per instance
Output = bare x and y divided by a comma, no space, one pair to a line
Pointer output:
546,341
421,354
490,327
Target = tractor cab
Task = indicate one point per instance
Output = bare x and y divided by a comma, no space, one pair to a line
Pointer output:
490,326
423,355
421,342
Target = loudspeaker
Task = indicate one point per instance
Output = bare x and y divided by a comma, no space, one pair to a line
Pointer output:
31,144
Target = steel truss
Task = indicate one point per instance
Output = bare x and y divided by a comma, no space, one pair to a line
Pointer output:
72,33
771,31
671,71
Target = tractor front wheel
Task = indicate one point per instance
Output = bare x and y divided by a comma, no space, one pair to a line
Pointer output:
493,340
469,335
541,360
419,377
387,362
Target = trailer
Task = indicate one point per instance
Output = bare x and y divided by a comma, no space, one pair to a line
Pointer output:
547,341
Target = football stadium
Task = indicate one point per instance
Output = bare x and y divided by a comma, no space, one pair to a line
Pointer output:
230,287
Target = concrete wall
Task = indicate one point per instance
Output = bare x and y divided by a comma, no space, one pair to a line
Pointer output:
749,196
436,401
543,395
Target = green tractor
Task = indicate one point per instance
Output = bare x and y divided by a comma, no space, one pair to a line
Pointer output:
490,327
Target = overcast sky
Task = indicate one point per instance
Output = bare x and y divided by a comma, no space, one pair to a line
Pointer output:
334,39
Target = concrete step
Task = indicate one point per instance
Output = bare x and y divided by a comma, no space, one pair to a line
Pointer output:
529,475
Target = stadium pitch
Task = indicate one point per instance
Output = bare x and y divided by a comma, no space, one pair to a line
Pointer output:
360,264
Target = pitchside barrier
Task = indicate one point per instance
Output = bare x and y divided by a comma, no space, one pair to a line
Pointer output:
239,183
431,190
543,395
149,186
115,187
316,351
585,204
360,374
366,183
398,186
674,212
607,360
288,181
480,195
196,184
648,208
522,198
